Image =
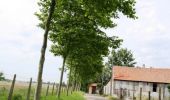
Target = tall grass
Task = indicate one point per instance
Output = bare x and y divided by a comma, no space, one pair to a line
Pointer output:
20,93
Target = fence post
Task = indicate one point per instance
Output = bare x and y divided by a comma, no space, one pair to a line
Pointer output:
159,93
68,87
128,93
47,89
12,88
61,89
149,94
133,94
29,89
53,88
56,88
121,95
163,92
140,93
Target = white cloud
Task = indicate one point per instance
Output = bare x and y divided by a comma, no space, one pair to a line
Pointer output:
21,42
148,37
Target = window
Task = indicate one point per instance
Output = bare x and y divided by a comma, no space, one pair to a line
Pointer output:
154,87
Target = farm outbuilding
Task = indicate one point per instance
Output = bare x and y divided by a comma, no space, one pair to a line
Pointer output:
139,82
92,88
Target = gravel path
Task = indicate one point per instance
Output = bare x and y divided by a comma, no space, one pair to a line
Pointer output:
94,97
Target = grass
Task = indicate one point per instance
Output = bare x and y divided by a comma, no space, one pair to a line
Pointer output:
20,93
74,96
112,98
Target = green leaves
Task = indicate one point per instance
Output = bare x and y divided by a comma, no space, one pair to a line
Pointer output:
2,76
122,57
76,31
168,88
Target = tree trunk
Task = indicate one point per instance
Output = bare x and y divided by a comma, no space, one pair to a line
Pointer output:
75,80
43,49
68,86
61,77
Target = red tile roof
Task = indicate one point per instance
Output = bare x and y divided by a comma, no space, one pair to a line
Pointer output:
141,74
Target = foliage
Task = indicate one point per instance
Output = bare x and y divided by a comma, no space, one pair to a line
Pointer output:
112,98
2,76
74,96
17,97
21,91
169,88
121,57
77,36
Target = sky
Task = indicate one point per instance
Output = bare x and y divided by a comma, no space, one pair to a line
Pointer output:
148,37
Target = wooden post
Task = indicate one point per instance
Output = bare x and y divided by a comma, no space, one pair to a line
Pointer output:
47,89
61,89
149,94
121,95
159,93
163,91
133,90
12,88
111,86
56,88
29,90
68,88
64,89
133,94
53,88
140,93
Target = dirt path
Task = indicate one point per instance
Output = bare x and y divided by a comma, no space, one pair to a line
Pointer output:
94,97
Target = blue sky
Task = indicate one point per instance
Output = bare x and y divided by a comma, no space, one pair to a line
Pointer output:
148,38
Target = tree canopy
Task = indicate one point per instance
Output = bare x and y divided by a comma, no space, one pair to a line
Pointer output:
2,76
121,57
76,33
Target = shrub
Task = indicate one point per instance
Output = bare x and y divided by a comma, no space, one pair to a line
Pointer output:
112,98
169,88
17,97
104,95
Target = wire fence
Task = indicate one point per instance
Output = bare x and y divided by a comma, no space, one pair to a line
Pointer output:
25,90
128,94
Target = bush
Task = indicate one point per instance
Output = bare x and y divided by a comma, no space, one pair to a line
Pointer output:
104,95
112,98
169,88
17,97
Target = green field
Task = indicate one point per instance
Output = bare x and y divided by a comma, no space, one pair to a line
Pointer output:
20,92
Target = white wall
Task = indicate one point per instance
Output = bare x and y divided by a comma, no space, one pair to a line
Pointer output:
130,86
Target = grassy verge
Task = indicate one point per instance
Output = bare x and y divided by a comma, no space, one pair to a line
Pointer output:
74,96
21,89
20,96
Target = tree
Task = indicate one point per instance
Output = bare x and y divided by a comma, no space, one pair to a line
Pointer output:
2,76
168,89
122,57
76,30
44,46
